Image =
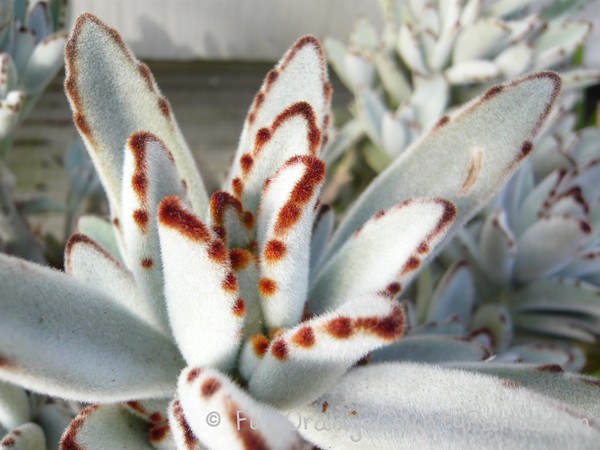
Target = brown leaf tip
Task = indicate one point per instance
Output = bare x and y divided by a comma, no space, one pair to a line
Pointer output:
260,344
279,349
158,433
209,387
193,374
147,263
274,250
219,203
172,214
304,337
267,287
78,239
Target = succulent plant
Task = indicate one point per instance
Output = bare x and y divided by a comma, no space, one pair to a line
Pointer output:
435,55
248,299
31,48
29,421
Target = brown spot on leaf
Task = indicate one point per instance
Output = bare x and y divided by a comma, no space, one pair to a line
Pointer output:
69,438
274,250
82,125
193,374
172,214
279,349
550,368
340,327
250,436
392,290
147,263
7,442
443,121
77,239
230,282
585,227
246,162
209,387
260,344
217,251
248,220
389,327
411,265
158,433
271,78
324,407
237,186
493,91
239,258
510,384
526,148
239,307
304,337
164,107
189,438
146,75
140,217
116,223
267,287
262,137
220,202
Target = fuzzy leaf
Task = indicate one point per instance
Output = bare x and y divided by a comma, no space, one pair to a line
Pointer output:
100,231
464,158
285,222
87,261
14,406
289,116
223,415
390,406
27,436
113,95
305,361
64,338
180,430
377,259
430,349
497,247
149,175
205,311
100,427
45,61
454,294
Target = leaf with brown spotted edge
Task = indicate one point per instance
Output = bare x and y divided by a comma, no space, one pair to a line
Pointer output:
384,255
464,159
27,436
63,337
307,360
113,95
408,405
105,427
289,116
149,175
206,311
235,420
285,221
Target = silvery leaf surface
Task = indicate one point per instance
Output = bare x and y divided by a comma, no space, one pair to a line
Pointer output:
65,338
465,157
376,260
27,436
113,95
224,416
407,405
105,426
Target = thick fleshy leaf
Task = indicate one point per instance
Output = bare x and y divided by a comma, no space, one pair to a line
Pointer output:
224,416
65,338
100,427
390,406
571,327
87,261
430,349
497,247
205,310
180,429
149,175
377,259
322,230
289,116
465,157
44,62
454,295
285,221
302,363
54,418
475,71
558,41
392,78
493,321
543,354
410,50
112,96
482,40
430,99
101,231
579,392
550,295
515,60
538,256
14,406
28,436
